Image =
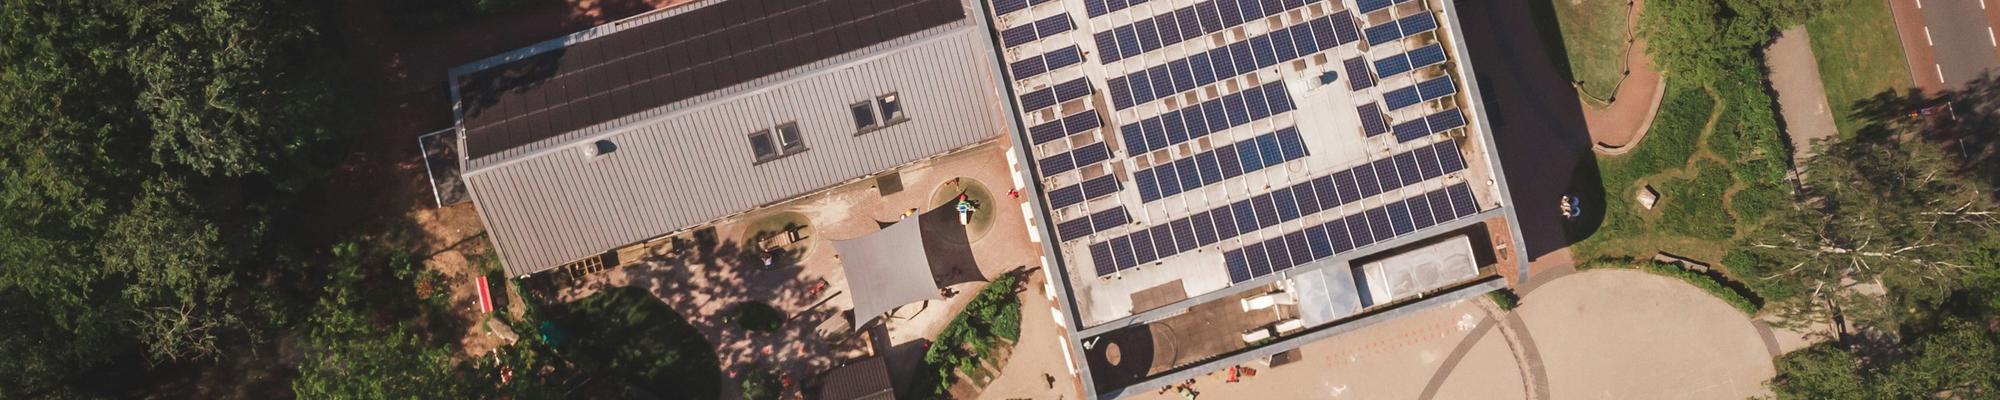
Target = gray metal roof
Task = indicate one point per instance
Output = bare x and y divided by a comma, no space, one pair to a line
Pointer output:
684,164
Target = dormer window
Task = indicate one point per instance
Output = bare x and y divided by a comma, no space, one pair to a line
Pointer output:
775,143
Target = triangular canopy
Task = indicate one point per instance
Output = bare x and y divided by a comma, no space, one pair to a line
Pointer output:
886,269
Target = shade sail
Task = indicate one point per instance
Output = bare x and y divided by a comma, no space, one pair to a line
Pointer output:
886,269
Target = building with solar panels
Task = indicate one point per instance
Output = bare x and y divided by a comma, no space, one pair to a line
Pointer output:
1225,180
667,121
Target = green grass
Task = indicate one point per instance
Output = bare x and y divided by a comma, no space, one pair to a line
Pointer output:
627,334
1693,207
1676,130
1859,56
1594,34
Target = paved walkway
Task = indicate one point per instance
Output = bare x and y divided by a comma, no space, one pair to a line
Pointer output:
1629,114
1801,94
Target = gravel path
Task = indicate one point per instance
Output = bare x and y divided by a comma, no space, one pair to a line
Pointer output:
1801,95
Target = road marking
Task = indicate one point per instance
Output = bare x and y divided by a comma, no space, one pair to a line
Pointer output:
1920,4
1989,36
1940,70
1927,37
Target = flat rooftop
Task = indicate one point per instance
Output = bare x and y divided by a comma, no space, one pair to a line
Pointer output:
1192,152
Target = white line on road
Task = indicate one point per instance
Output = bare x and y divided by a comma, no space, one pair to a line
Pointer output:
1920,3
1940,70
1989,37
1927,37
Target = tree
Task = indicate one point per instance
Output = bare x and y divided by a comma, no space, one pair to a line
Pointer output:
351,357
1821,372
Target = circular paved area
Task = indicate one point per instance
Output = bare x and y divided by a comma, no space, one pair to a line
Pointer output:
1628,334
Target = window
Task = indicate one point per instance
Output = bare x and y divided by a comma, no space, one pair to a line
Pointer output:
789,139
760,143
864,116
892,107
782,141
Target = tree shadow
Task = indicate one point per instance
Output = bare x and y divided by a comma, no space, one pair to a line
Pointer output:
1964,122
1537,120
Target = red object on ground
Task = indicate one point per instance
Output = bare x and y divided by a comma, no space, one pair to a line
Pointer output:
485,296
1232,375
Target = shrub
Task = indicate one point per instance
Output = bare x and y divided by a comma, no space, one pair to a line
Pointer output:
995,313
761,384
1504,298
1707,283
756,316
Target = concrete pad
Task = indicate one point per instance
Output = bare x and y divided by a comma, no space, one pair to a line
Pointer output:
1801,94
1633,335
1488,371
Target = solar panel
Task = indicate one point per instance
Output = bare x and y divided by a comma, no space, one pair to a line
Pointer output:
1071,90
1461,200
1427,55
1163,241
1337,236
1406,167
1028,68
1260,261
1057,164
1427,162
1004,7
1239,268
1385,172
1128,40
1364,178
1357,74
1274,251
1281,100
1346,186
1267,213
1290,144
1047,132
1184,237
1379,34
1299,248
1156,133
1081,121
1210,17
1343,28
1400,98
1109,218
1181,73
1378,224
1371,119
1204,228
1100,258
1064,57
1121,250
1163,82
1231,15
1247,154
1170,182
1092,154
1307,195
1448,157
1190,25
1190,179
1399,218
1246,217
1420,213
1095,8
1281,43
1142,247
1099,187
1149,36
1441,205
1317,243
1418,23
1227,159
1325,190
1207,168
1357,230
1074,229
1149,188
1017,36
1412,130
1065,196
1288,206
1268,149
1368,6
1266,55
1121,96
1445,120
1392,65
1437,87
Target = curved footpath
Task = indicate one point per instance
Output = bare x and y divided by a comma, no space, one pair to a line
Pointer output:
1629,114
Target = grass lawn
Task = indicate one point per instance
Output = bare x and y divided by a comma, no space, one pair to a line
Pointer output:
1629,230
627,334
1859,56
1594,34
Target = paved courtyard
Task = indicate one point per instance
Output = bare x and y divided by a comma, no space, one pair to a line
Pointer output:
1594,335
704,280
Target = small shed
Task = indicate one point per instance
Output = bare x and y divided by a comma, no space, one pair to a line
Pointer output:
867,379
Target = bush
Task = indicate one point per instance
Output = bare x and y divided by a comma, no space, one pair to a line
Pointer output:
1707,283
625,334
761,384
1504,298
995,313
756,316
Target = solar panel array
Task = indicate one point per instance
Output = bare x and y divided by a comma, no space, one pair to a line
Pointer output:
1420,92
1357,74
1086,225
1070,125
1324,240
1185,23
1083,156
1077,194
1053,95
1409,61
1372,122
1098,8
1369,6
1224,62
1208,117
1037,30
1050,61
1278,206
1211,167
1004,7
1406,26
1439,122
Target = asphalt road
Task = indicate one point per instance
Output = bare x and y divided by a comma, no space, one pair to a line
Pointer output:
1958,36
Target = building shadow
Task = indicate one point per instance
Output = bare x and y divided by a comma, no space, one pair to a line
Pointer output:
1537,119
